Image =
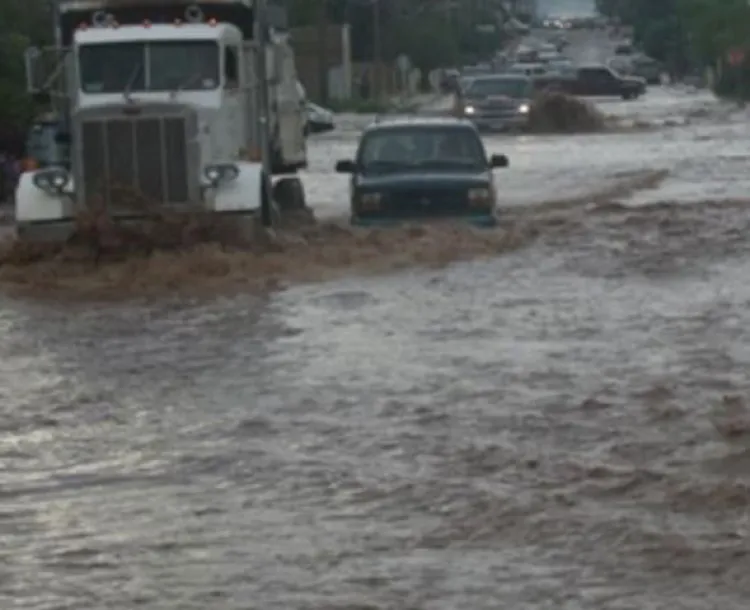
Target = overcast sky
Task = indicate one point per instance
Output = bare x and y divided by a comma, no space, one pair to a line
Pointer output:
567,7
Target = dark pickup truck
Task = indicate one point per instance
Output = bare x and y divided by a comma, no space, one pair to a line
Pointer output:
592,81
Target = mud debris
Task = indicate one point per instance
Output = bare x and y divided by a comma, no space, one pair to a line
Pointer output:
555,112
194,256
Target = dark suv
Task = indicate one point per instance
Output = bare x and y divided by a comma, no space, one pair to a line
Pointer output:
422,168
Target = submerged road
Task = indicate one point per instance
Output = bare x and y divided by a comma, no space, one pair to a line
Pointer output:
561,424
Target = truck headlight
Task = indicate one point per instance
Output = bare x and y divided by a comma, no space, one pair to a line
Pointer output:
523,109
221,173
52,181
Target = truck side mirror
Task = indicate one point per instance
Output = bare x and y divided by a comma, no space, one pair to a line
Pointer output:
41,98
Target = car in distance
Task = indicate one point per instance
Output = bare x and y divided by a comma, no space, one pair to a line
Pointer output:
499,102
624,48
647,68
529,70
422,168
319,119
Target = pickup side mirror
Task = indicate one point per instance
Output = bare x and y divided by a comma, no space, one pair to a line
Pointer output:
499,161
62,137
345,167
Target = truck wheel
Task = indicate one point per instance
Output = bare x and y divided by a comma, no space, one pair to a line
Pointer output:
266,196
289,194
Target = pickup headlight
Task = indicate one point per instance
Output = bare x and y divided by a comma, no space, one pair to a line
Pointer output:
481,198
52,181
221,173
524,109
469,110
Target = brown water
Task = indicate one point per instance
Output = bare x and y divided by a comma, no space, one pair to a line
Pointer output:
559,423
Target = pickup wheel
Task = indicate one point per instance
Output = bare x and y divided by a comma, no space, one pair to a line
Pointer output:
627,95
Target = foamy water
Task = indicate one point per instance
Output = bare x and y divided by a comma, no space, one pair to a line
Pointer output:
561,422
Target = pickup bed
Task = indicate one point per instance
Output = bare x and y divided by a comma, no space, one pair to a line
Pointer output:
592,81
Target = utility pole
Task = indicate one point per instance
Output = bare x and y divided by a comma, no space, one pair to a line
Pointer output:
261,40
322,19
376,48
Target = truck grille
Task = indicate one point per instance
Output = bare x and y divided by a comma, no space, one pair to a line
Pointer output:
135,160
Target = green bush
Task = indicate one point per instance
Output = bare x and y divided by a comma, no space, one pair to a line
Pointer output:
734,83
359,106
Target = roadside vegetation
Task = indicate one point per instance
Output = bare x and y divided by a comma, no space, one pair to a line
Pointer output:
22,22
430,35
692,37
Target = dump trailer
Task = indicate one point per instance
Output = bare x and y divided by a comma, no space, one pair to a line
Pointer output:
163,101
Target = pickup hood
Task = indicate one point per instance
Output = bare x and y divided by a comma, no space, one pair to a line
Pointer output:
433,181
495,101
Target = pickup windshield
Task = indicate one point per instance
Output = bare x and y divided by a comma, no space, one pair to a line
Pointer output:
154,66
519,88
411,148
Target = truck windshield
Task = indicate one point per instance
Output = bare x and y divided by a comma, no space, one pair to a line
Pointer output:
154,66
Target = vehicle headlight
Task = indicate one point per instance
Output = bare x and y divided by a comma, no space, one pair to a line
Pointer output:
52,180
481,197
524,109
368,202
221,173
469,110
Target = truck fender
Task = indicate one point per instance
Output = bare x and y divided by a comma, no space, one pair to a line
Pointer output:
244,193
35,205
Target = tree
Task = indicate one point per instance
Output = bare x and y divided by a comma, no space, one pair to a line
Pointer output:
445,36
689,34
430,42
22,22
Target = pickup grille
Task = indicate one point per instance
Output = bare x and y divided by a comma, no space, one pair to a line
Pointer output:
498,109
428,202
130,160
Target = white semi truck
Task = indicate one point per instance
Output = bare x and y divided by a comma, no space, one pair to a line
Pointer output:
163,100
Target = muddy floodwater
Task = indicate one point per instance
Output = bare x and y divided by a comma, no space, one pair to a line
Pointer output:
560,423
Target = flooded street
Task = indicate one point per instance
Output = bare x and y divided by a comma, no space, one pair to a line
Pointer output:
561,425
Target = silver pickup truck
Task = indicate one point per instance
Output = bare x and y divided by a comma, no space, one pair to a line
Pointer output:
496,102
